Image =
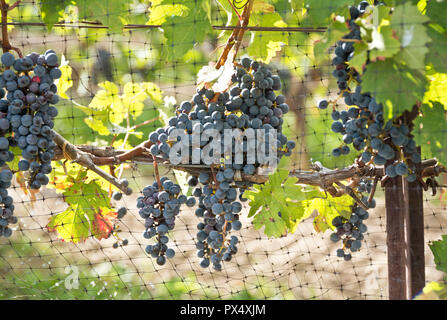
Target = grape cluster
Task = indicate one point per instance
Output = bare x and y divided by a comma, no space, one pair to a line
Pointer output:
26,120
250,102
220,213
350,230
159,206
29,111
363,124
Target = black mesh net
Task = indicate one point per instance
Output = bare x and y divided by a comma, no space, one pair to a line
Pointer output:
36,264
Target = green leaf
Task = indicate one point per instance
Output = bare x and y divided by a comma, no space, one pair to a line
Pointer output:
437,52
439,250
436,10
408,23
429,131
108,109
360,57
265,45
283,7
437,89
278,204
394,85
65,82
14,164
88,211
52,10
71,225
335,31
384,44
160,13
183,32
268,218
319,12
327,209
433,291
108,12
182,181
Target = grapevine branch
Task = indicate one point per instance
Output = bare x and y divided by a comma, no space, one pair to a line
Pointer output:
6,45
100,156
71,152
236,35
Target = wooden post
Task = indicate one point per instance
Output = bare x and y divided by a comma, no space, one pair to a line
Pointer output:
405,238
416,236
396,244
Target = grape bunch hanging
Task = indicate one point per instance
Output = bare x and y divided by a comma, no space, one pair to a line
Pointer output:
27,93
363,126
250,102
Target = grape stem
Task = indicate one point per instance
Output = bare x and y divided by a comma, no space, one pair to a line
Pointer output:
157,174
237,35
373,190
235,10
100,156
6,45
71,152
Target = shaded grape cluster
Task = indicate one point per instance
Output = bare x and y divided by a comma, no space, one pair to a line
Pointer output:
27,93
350,231
31,92
219,210
159,206
249,103
363,124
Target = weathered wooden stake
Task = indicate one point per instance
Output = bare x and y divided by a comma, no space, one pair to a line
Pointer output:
405,238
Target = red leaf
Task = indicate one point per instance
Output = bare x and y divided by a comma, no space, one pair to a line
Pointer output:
102,225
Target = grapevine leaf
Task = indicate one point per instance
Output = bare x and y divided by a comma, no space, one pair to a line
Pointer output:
408,23
429,131
52,10
108,12
154,92
384,44
436,11
65,82
319,12
265,45
108,108
71,225
439,250
182,181
268,218
183,32
436,90
360,57
160,13
14,164
277,205
437,54
102,224
88,211
133,98
336,30
399,91
262,6
327,209
283,7
433,291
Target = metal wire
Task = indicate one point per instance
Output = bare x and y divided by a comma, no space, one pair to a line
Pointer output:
95,25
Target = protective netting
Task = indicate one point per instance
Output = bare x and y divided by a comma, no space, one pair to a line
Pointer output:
36,264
